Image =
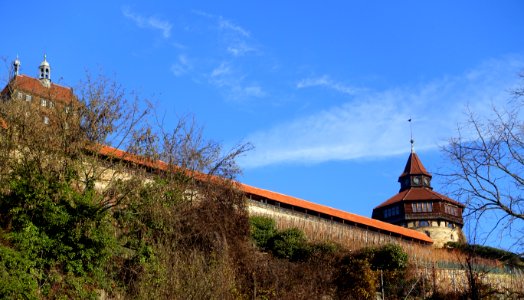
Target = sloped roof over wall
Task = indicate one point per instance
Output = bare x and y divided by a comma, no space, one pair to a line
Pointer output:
349,217
373,224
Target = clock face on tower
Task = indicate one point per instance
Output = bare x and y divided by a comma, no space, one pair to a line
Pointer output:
426,181
416,180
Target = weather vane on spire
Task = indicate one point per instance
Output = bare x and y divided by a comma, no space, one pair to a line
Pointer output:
411,133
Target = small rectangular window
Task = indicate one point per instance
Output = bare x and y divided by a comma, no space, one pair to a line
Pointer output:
19,95
28,98
50,104
452,210
46,120
43,102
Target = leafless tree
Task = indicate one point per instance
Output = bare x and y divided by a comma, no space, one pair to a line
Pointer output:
488,166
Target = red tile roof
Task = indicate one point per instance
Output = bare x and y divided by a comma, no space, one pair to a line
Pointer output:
33,86
418,194
108,151
414,166
372,223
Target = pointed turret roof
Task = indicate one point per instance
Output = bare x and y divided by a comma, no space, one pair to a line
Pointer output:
414,166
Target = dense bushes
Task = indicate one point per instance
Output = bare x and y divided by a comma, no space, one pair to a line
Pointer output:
52,230
57,241
262,230
289,243
346,274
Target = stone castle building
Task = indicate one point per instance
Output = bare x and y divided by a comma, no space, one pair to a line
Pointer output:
418,206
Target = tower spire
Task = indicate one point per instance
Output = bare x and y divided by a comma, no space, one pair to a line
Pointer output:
411,133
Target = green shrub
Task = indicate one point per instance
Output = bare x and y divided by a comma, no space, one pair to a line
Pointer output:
290,243
262,229
390,257
56,228
18,276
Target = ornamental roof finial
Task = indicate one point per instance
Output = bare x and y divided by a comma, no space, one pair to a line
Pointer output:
412,141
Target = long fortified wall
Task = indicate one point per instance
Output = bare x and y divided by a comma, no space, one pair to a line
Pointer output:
318,228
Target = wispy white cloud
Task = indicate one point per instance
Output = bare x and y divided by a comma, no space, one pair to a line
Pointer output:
148,22
252,90
229,25
223,69
182,66
233,83
226,67
236,40
326,82
240,49
374,124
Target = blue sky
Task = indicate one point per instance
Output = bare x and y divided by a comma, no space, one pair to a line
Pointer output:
322,89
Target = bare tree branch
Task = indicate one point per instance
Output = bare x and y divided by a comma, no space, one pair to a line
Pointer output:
488,164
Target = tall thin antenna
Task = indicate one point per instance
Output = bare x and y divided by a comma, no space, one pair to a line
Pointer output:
411,133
